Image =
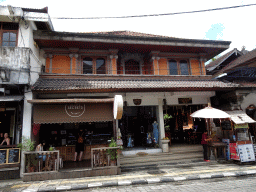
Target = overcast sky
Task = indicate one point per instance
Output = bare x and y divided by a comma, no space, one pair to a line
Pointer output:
235,25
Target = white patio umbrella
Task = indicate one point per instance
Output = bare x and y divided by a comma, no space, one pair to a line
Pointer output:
209,113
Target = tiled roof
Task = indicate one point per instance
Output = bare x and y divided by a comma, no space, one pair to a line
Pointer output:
52,84
240,61
211,66
129,33
247,84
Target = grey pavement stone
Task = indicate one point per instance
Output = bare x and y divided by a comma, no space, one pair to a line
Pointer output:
167,179
193,177
46,189
153,180
179,178
217,175
63,187
238,174
124,182
79,186
109,184
141,181
90,185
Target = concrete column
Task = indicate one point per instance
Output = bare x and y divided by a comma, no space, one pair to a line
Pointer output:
160,119
50,70
27,124
71,59
27,116
114,63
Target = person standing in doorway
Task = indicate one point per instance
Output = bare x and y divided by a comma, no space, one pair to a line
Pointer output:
204,141
80,145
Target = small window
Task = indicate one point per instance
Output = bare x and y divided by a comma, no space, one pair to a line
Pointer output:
132,67
173,68
9,39
87,66
184,67
100,66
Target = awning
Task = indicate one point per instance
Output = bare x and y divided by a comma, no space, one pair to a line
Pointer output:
48,101
240,117
10,98
72,113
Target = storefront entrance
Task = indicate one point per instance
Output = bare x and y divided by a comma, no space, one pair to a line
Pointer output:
180,127
136,125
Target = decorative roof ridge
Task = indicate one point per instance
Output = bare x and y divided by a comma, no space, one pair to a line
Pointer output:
211,66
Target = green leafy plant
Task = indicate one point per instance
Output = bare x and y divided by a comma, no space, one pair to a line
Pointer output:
112,152
30,159
167,117
26,144
51,149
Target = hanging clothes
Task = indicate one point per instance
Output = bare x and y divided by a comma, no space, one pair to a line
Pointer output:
155,131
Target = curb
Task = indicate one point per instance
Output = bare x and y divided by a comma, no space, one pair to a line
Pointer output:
162,179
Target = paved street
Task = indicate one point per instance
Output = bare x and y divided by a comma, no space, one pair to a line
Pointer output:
175,177
241,184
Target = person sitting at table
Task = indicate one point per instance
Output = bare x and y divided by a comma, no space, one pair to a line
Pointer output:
6,140
40,147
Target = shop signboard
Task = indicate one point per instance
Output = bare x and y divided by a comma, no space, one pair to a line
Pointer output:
233,152
239,126
246,153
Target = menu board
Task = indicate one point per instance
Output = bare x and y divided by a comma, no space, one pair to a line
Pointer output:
246,152
14,155
3,153
226,125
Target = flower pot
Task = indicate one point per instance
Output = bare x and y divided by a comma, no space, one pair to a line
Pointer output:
112,162
165,145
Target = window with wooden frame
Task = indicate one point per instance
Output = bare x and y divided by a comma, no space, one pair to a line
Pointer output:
9,34
178,67
94,65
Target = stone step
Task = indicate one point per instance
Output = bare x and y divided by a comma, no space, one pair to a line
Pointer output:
158,159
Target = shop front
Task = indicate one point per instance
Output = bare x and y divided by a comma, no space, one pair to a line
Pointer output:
144,125
10,121
57,123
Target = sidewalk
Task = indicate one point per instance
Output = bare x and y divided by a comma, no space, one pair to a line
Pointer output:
157,174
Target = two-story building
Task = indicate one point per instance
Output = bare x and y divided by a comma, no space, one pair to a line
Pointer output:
20,66
154,74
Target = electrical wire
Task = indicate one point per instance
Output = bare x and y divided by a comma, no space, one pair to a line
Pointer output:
149,15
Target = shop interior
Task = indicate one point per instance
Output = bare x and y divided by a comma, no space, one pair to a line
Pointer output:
65,134
181,128
7,123
136,126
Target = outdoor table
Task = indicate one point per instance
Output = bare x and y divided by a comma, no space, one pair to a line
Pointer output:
215,145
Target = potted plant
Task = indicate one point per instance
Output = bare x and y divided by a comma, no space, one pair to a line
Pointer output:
112,152
167,118
165,145
30,159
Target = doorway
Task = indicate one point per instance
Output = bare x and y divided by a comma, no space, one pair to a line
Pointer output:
136,124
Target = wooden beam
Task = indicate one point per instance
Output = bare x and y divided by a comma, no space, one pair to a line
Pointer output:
46,101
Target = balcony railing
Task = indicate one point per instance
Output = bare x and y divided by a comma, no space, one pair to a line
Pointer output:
195,71
14,65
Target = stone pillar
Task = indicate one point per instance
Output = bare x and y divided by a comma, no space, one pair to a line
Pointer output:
71,60
27,123
114,64
160,119
50,67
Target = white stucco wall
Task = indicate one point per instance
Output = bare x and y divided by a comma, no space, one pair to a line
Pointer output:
248,100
